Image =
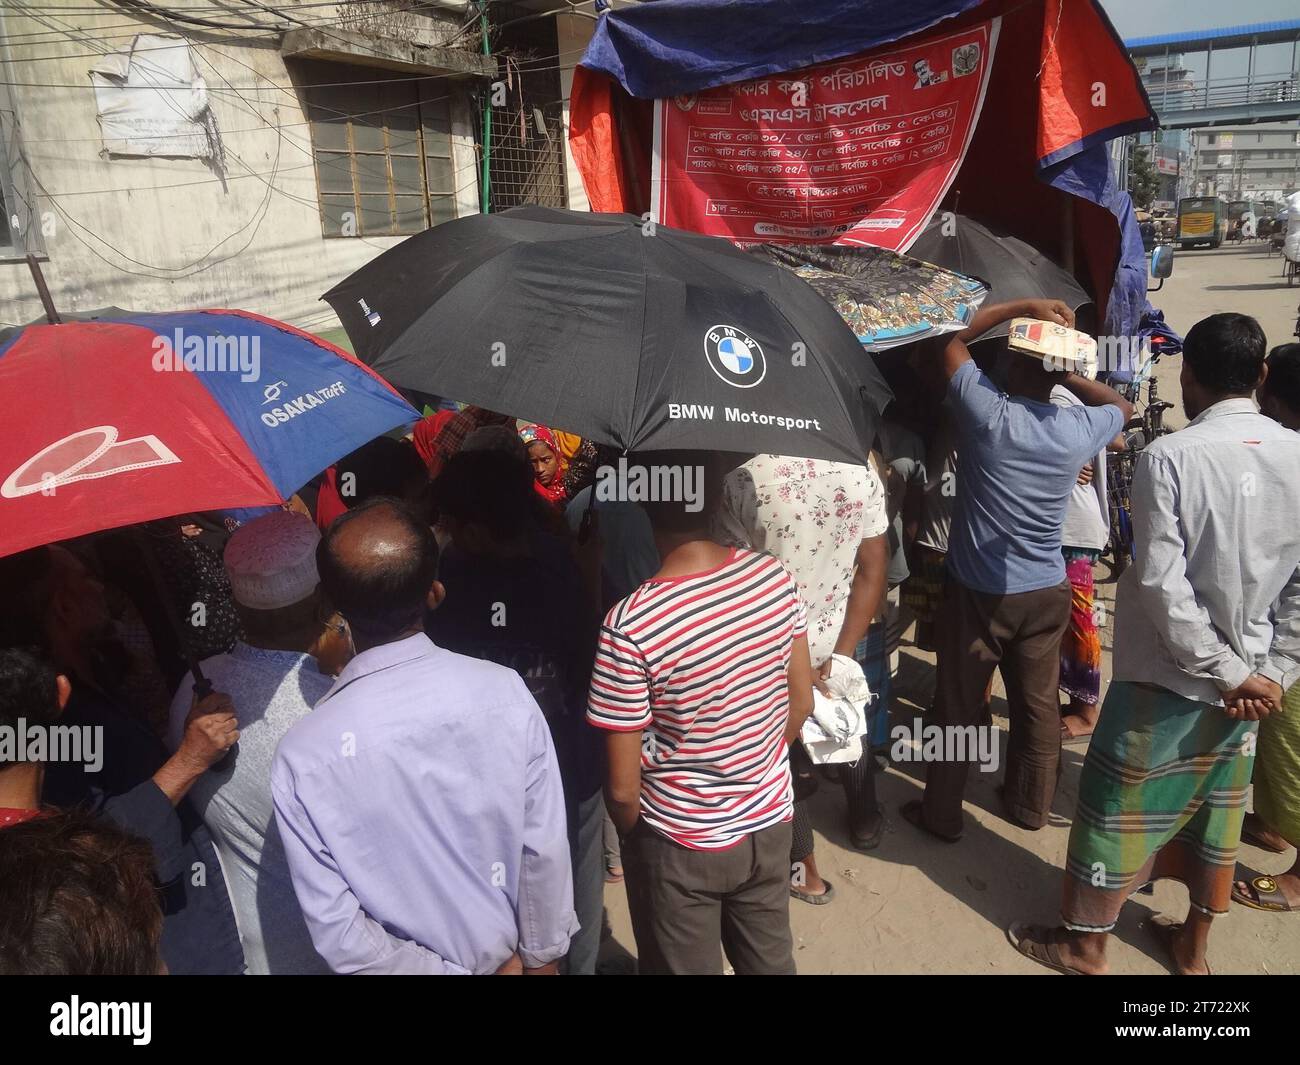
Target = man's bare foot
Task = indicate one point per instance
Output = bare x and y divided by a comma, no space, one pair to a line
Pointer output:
1080,720
1180,946
1257,832
1075,953
1279,894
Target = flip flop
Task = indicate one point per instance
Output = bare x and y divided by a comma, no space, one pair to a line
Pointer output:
1040,948
1268,897
914,811
815,900
1162,930
1068,737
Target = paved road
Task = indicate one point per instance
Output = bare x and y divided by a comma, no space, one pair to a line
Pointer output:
1242,278
920,906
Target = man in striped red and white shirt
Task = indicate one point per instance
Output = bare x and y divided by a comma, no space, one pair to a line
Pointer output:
702,677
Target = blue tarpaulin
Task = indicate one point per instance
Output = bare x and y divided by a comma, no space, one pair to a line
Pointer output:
1088,175
663,48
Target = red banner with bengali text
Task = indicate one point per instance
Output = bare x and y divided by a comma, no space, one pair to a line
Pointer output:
855,151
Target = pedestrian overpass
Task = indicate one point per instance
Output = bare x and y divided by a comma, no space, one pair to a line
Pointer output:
1230,98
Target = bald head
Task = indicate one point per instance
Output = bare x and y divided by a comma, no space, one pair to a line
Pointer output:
377,565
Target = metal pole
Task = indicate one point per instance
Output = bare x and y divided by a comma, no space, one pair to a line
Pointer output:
1209,56
1250,72
43,290
487,119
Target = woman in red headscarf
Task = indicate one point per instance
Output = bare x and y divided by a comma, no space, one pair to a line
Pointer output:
548,463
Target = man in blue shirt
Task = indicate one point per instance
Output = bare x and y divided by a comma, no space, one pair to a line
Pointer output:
1006,599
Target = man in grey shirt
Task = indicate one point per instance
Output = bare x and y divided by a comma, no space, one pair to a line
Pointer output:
273,682
1207,637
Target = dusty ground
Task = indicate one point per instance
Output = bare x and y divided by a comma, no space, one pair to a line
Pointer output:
920,906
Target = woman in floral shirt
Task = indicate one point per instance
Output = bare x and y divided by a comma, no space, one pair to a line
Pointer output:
827,522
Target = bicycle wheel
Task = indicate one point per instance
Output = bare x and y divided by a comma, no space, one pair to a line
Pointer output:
1119,477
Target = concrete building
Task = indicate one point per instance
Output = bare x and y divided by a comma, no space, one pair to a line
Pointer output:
1170,85
1248,162
159,158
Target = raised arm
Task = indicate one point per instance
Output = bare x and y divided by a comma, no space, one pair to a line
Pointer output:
1095,394
955,352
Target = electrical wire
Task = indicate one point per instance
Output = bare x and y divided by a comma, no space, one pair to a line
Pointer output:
200,264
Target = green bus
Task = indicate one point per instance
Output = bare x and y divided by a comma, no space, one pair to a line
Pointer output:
1202,220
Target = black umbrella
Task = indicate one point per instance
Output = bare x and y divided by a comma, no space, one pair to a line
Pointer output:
1011,268
644,338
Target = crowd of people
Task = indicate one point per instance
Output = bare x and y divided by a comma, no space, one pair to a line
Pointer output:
453,691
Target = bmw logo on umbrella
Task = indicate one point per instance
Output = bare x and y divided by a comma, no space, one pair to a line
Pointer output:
734,356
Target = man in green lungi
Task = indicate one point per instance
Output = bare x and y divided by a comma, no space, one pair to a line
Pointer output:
1207,638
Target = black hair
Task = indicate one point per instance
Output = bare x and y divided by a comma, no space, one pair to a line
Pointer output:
28,689
26,580
493,489
380,595
673,515
77,898
382,467
1225,353
1283,380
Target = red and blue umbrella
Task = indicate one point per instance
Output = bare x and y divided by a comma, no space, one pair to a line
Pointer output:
132,417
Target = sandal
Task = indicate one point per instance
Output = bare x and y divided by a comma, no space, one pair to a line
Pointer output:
815,900
1068,737
1162,929
864,839
1268,896
1035,942
914,811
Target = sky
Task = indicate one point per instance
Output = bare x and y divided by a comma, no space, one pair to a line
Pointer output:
1146,18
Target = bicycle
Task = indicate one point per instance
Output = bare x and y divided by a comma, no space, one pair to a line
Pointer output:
1145,427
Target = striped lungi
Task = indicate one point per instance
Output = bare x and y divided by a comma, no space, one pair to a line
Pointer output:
1162,794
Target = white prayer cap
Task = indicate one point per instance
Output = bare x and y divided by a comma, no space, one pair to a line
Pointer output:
271,561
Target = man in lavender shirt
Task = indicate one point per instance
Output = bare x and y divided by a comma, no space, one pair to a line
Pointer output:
420,802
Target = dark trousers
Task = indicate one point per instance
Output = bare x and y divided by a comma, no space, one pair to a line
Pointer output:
686,904
859,782
1020,635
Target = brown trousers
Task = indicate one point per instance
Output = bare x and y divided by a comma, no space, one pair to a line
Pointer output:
1019,634
689,905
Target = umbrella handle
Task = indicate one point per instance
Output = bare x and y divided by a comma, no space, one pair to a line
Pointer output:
202,689
588,518
202,686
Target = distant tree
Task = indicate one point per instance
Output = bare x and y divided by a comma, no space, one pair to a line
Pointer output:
1143,181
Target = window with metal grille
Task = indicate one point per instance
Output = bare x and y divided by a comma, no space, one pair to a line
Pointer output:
382,149
527,146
